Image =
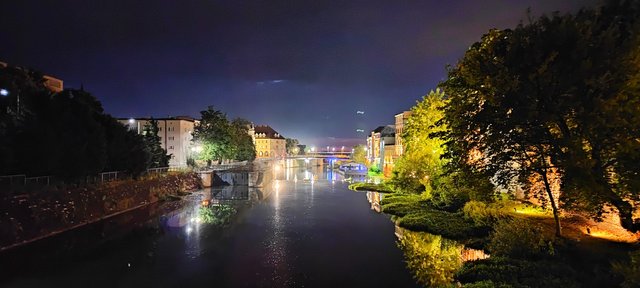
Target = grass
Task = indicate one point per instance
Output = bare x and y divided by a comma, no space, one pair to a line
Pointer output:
361,186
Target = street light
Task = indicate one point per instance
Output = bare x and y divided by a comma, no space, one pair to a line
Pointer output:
4,92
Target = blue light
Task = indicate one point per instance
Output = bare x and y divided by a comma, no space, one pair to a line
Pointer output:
4,92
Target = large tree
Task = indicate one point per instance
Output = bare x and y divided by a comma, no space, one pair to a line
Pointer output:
242,144
158,155
548,103
420,167
223,140
292,146
213,134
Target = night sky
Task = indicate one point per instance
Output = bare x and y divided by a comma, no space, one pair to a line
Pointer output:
303,67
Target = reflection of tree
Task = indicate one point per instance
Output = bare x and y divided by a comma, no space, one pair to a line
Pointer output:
217,215
432,259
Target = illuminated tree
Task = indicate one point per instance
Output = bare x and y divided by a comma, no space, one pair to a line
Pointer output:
213,133
420,167
558,96
359,154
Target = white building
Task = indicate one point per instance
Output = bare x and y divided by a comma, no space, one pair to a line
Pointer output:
175,135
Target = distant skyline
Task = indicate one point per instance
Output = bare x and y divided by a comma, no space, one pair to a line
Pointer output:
303,67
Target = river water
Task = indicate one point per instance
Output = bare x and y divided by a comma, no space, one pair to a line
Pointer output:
305,229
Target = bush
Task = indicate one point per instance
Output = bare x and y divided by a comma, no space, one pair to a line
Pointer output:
449,225
504,272
630,271
361,186
482,214
402,204
518,238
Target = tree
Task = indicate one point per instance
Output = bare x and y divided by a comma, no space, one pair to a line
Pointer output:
419,169
292,146
158,156
213,133
545,102
242,143
359,154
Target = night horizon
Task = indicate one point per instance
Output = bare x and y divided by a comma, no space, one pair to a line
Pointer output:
303,69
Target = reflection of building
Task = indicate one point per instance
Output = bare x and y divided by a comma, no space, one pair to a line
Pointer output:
269,143
381,142
175,135
401,121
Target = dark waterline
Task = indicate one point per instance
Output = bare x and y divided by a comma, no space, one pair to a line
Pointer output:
294,233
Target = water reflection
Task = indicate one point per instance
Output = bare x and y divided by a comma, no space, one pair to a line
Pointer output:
432,259
375,198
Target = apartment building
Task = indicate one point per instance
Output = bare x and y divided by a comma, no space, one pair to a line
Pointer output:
401,121
175,135
269,143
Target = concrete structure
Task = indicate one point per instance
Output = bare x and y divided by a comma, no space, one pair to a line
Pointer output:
377,141
269,143
401,121
175,135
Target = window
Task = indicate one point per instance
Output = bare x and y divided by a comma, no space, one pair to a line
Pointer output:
260,153
172,138
160,129
170,147
266,154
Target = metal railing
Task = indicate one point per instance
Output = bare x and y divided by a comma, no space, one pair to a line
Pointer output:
9,180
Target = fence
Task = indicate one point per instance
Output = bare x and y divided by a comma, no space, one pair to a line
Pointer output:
23,180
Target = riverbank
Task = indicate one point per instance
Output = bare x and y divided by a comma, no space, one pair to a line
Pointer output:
36,215
519,239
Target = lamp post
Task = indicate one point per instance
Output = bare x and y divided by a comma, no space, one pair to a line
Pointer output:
5,93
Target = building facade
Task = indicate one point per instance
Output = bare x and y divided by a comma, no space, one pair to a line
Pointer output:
269,143
52,83
401,121
378,139
175,134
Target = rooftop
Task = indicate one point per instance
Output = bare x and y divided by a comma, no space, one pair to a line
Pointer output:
265,131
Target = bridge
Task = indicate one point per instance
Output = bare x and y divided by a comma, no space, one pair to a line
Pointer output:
323,154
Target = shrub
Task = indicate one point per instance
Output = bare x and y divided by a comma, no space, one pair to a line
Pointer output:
504,272
482,214
447,224
630,271
517,238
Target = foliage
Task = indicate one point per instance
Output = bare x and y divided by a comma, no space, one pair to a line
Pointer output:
374,170
66,133
217,215
447,224
292,146
518,238
557,96
484,214
419,169
223,140
432,259
359,154
630,270
241,141
362,186
505,272
159,157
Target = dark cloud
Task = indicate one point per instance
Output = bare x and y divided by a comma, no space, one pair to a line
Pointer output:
304,67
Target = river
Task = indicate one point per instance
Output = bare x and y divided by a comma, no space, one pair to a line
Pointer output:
305,229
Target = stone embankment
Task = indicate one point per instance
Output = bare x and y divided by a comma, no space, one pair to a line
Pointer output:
51,210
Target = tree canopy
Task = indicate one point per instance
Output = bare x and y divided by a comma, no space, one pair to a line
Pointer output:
553,102
223,140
